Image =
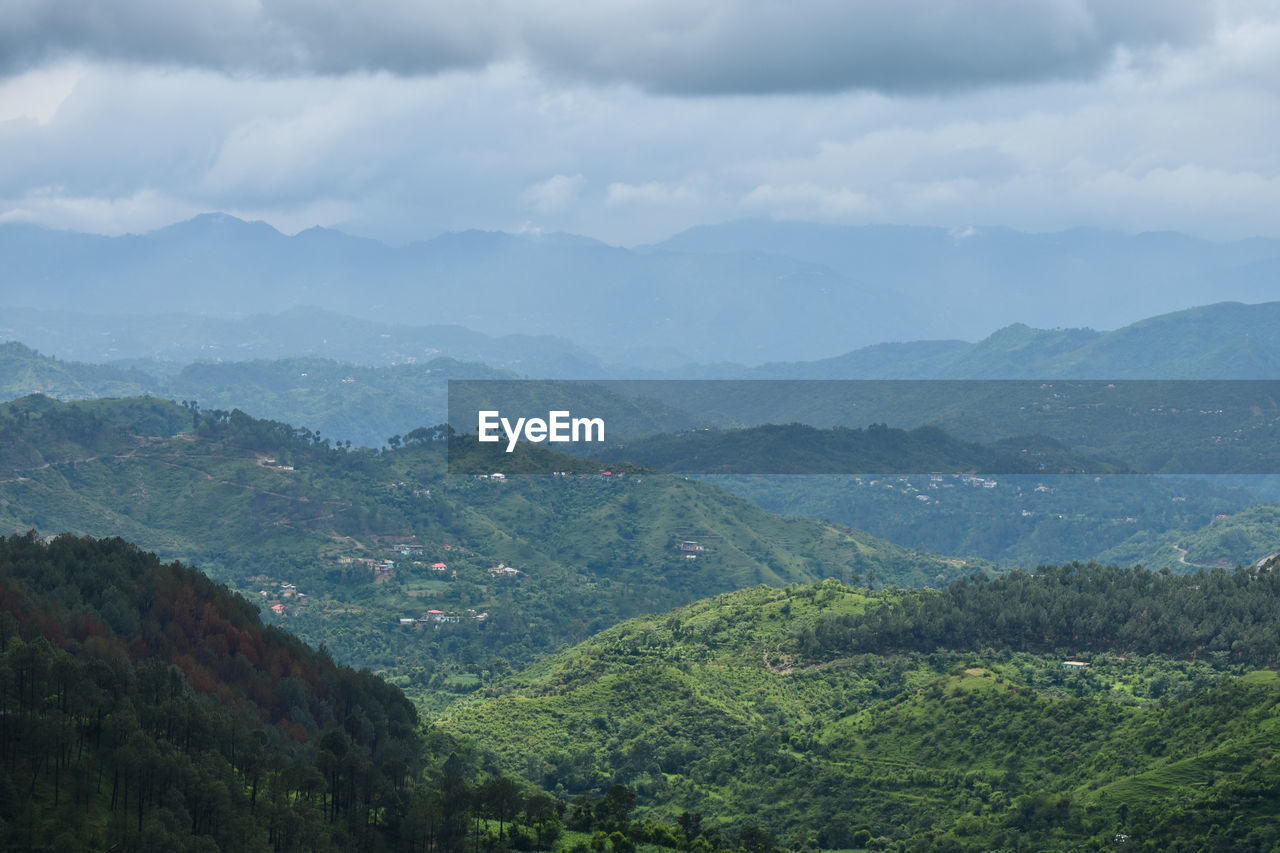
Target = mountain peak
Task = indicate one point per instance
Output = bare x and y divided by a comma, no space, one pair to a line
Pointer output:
209,225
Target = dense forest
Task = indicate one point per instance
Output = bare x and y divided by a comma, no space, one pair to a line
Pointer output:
144,707
1233,616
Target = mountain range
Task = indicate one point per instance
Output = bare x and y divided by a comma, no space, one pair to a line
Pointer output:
369,538
752,291
944,703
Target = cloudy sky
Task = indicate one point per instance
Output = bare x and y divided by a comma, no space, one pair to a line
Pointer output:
628,120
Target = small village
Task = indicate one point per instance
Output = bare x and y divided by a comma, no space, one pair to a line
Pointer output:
282,596
406,561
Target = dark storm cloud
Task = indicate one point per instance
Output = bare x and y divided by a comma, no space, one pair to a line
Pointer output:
684,47
271,36
765,46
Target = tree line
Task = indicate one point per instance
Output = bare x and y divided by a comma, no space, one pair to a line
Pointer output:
1078,608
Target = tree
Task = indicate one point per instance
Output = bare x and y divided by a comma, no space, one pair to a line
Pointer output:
502,795
542,812
613,810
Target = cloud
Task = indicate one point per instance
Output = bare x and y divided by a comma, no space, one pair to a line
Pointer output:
137,213
668,46
652,192
554,194
1176,138
810,200
248,36
772,46
37,94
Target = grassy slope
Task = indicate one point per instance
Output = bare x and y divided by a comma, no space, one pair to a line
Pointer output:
712,709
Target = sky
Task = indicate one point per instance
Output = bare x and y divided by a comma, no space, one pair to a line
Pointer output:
630,120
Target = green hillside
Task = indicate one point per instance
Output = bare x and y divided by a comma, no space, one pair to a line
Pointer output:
364,405
843,718
146,708
1237,539
24,371
878,449
347,541
1029,520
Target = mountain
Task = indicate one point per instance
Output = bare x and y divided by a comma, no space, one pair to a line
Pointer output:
24,371
609,299
162,343
979,278
1030,520
840,718
750,292
347,541
1147,426
1224,340
147,708
801,449
363,405
1243,538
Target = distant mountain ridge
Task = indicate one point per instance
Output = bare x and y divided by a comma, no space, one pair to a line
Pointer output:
162,343
293,366
1225,340
750,292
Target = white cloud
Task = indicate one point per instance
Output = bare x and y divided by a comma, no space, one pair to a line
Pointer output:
1175,136
38,93
652,192
138,213
810,200
554,194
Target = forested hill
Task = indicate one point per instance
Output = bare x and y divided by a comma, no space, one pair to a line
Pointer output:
145,707
878,449
486,573
1054,711
364,405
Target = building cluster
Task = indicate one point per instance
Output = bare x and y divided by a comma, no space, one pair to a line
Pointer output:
275,598
441,617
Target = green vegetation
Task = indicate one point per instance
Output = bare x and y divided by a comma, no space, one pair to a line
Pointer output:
1079,707
844,718
144,708
363,405
346,540
1028,520
1149,426
879,449
24,371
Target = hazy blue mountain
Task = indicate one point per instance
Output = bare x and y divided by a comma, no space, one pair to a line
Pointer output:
967,282
750,292
1227,340
611,300
162,343
399,371
911,360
